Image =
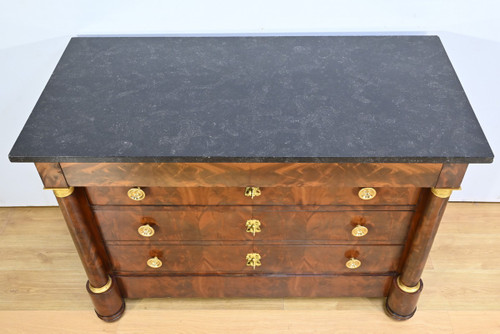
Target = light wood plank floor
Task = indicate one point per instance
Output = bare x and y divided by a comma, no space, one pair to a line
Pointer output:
42,288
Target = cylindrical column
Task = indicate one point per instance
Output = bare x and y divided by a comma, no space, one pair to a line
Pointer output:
105,295
424,236
403,295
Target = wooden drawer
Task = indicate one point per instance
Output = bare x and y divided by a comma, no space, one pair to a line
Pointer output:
268,174
245,286
236,196
278,259
319,223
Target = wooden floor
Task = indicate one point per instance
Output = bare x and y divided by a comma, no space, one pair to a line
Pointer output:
42,288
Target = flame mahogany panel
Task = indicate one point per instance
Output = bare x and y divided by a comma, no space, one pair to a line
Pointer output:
284,223
181,223
269,196
256,174
451,175
184,223
254,286
276,259
51,174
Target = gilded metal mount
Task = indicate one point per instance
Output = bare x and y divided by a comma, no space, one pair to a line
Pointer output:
406,288
252,192
253,260
367,194
443,192
103,288
136,194
359,231
353,263
146,230
253,226
154,262
61,192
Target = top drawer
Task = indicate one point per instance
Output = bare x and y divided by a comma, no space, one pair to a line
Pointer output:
244,174
236,196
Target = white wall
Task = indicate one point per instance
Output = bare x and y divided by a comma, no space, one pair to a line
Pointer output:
33,35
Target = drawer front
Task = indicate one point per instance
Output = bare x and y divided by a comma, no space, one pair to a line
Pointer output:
254,286
352,226
174,222
211,223
275,259
242,174
268,196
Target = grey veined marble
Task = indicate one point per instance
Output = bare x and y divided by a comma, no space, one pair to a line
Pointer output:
296,99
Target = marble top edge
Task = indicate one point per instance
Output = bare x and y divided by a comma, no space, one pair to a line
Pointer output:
253,98
252,159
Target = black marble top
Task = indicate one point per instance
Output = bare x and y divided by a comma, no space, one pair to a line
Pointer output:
250,99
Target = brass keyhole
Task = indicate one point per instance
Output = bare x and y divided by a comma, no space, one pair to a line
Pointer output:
253,226
252,192
253,260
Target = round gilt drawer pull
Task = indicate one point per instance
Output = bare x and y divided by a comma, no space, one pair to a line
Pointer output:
367,193
253,260
154,262
136,194
146,231
253,226
252,192
353,263
359,231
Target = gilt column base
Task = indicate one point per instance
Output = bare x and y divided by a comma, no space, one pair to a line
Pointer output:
108,303
401,303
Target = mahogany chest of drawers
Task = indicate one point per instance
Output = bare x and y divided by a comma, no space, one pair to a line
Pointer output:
253,166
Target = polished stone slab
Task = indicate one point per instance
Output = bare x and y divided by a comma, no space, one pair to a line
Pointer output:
247,99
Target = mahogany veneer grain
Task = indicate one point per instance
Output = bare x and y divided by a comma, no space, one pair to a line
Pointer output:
51,174
254,286
451,175
235,196
258,174
276,259
184,223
